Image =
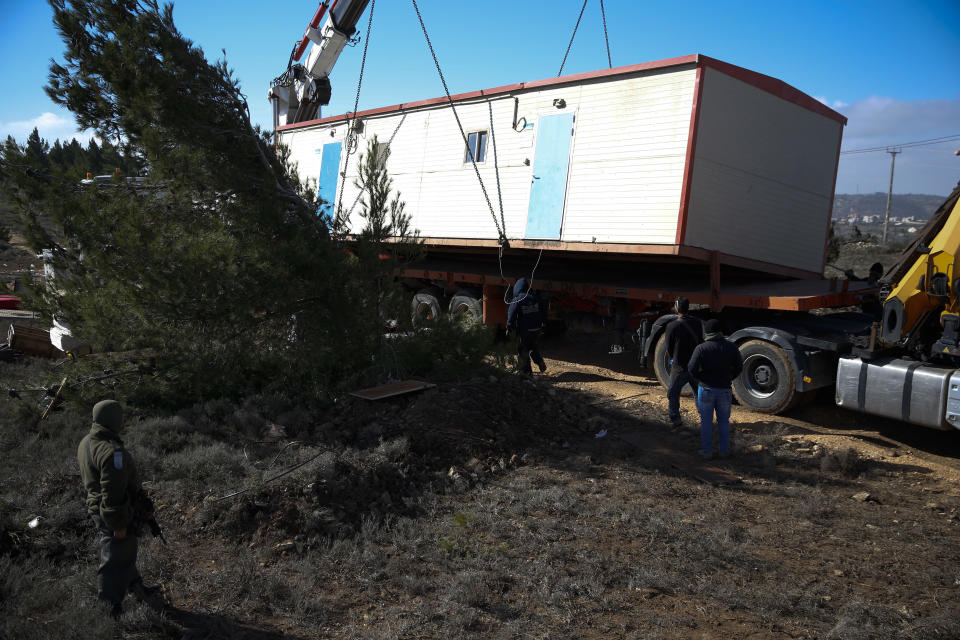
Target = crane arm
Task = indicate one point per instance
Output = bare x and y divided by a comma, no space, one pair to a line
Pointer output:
299,92
925,281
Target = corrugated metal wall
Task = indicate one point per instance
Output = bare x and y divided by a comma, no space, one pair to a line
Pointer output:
626,162
629,152
763,175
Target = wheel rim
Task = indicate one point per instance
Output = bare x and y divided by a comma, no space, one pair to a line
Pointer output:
425,312
760,376
463,312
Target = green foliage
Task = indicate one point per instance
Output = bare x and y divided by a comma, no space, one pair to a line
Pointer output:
217,264
834,243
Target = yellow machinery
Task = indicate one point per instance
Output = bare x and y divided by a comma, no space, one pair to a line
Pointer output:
926,282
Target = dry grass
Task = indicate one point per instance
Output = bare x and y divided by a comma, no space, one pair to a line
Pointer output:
457,514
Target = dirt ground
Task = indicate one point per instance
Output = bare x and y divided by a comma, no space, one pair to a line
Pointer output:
832,525
489,507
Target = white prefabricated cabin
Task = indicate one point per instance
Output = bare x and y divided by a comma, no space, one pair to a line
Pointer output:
682,156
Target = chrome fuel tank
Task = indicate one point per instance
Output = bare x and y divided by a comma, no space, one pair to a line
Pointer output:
907,390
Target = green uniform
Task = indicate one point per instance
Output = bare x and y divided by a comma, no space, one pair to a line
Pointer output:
110,478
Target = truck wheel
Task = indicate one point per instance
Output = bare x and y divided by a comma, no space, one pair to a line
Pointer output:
466,308
661,365
767,383
425,308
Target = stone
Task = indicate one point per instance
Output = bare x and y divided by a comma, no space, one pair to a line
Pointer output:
863,496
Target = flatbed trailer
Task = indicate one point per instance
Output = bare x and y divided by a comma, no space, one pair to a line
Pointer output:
795,343
616,191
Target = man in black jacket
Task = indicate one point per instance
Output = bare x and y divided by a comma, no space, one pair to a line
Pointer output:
715,363
682,336
526,314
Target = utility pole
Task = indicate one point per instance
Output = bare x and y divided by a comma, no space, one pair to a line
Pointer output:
886,219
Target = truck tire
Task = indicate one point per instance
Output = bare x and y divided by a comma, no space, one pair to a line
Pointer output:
425,308
768,382
465,307
661,365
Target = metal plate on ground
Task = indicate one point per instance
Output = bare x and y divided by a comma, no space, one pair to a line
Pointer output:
392,389
685,462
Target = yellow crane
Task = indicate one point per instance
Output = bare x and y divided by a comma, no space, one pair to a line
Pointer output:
922,311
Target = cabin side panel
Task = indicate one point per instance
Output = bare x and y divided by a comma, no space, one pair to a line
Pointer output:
628,159
763,175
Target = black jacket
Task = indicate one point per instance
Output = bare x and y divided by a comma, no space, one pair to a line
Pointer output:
716,363
682,336
526,313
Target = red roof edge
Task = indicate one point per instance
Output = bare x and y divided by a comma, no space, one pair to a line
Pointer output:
505,89
773,86
766,83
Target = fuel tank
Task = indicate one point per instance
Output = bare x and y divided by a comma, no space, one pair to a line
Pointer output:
914,392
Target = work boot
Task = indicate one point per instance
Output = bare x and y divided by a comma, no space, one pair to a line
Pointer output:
150,595
706,455
116,611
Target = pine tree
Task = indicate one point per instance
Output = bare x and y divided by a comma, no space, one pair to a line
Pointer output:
217,262
36,150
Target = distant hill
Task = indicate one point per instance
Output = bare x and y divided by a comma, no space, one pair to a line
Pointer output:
903,205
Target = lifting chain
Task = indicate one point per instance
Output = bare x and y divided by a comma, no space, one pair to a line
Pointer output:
501,232
574,35
603,16
353,116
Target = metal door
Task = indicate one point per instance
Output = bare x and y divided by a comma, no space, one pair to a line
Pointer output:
329,172
549,184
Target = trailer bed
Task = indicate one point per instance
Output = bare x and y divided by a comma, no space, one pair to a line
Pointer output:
643,278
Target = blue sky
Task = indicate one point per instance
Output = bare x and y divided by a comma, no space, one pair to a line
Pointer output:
891,66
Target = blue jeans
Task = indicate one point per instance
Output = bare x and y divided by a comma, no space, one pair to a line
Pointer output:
710,400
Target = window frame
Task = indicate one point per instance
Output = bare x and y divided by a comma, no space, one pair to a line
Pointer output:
470,153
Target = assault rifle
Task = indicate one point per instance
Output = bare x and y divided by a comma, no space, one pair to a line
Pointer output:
143,515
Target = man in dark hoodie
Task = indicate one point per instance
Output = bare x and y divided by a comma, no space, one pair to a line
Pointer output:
715,364
682,336
526,314
114,498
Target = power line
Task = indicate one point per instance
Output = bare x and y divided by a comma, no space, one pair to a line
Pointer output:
905,145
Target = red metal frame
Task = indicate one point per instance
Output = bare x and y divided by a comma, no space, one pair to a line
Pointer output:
766,83
836,168
691,150
773,86
711,296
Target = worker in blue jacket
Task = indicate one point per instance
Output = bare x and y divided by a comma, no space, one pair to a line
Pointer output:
715,363
526,315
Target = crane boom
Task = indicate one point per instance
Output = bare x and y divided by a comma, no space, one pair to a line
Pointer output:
298,93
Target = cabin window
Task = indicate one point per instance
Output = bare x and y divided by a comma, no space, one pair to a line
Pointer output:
476,147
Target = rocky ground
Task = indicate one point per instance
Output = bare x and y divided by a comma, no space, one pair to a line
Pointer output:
488,507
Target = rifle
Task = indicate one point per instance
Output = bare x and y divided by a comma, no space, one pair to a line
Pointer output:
143,515
155,528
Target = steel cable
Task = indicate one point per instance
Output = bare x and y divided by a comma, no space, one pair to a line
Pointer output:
353,116
575,27
603,16
501,232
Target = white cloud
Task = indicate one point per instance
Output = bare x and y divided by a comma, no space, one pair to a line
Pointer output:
50,125
880,121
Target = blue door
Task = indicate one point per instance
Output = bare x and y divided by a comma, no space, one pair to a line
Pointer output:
549,185
329,172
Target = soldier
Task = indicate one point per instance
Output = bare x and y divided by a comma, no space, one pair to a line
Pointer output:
114,500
